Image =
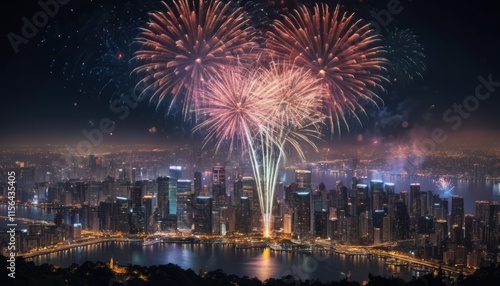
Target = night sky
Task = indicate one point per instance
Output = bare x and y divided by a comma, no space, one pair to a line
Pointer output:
62,80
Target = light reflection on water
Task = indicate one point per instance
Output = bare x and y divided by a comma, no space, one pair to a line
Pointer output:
260,263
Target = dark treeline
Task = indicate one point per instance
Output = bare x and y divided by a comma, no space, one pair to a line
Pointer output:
99,273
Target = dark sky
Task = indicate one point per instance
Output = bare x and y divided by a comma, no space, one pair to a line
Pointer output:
51,90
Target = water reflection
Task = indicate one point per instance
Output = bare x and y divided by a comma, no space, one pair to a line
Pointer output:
260,263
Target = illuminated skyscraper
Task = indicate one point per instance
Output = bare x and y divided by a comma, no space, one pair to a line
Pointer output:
163,197
243,216
303,179
302,214
376,186
250,191
415,203
123,214
147,203
483,211
362,199
457,216
340,196
219,186
136,195
423,204
203,215
237,191
197,181
401,222
185,196
175,173
389,189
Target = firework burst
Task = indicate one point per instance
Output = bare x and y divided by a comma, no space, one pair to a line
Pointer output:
406,56
265,110
234,110
296,99
187,44
344,53
445,185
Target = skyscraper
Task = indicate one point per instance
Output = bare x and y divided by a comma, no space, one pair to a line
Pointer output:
250,191
243,216
302,214
203,215
415,203
401,221
457,216
163,197
175,173
237,191
219,186
376,186
136,195
197,181
303,179
185,196
147,203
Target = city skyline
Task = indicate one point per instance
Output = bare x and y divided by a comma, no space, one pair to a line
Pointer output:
355,128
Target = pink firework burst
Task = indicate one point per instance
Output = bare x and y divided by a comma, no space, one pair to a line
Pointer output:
188,43
346,54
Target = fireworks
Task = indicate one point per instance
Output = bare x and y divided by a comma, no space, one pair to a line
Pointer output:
445,185
234,110
296,103
405,54
346,54
187,44
265,110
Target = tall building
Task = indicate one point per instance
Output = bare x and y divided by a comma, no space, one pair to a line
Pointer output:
457,216
483,211
147,203
415,203
303,178
137,220
185,196
362,199
320,223
219,186
377,200
376,186
123,210
250,191
136,195
237,191
197,181
401,222
424,204
163,197
445,206
340,197
243,216
389,189
302,214
174,174
203,215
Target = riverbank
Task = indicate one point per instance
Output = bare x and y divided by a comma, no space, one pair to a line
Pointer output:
62,247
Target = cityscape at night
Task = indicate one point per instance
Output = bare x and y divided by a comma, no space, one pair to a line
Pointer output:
250,142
